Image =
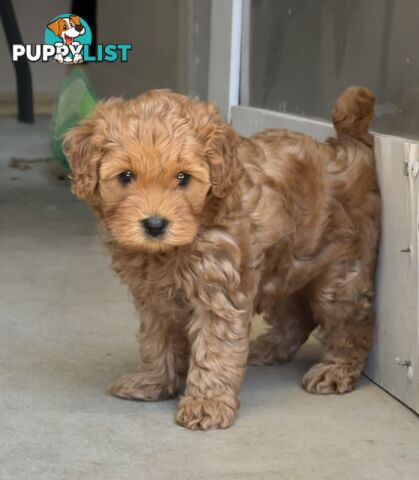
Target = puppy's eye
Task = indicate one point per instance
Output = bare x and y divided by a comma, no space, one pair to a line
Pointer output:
65,26
183,179
126,177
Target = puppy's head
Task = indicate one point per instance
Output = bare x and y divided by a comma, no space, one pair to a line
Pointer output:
149,167
67,28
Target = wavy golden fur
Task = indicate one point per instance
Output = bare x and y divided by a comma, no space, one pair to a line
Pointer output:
278,224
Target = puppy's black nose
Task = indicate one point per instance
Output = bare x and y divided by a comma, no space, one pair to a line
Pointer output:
79,28
155,226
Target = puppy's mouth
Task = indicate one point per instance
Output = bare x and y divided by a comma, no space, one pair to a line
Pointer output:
68,40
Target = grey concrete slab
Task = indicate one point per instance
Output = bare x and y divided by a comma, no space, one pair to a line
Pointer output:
67,331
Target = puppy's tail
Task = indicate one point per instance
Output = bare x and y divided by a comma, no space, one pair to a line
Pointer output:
353,113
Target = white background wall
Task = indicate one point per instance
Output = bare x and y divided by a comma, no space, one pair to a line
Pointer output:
170,46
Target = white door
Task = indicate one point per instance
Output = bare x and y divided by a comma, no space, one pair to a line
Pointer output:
281,64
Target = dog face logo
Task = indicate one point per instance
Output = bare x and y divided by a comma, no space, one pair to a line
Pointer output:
68,33
67,28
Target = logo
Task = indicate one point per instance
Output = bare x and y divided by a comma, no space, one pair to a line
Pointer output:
68,39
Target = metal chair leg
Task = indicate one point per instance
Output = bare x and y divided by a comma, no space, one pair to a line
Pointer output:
22,69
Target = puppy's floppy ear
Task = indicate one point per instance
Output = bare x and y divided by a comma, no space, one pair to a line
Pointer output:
83,154
56,26
221,147
75,19
84,147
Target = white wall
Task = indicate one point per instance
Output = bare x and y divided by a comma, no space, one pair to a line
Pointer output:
152,28
170,46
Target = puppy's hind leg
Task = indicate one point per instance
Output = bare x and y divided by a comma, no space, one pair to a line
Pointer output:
290,324
343,304
163,361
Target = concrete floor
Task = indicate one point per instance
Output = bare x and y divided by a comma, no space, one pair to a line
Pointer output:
67,331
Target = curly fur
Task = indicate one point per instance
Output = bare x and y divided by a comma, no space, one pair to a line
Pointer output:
278,224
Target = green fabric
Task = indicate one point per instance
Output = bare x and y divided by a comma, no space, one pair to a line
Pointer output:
75,100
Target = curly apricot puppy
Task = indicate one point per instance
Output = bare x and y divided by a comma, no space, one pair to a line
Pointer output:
206,227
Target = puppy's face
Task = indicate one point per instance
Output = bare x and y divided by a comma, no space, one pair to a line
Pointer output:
67,28
148,167
152,192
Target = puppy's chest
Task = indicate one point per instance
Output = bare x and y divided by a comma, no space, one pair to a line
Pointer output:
153,282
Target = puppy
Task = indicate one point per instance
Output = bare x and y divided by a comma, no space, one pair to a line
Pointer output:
206,228
67,29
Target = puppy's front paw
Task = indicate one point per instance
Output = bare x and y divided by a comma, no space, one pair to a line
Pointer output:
326,378
137,386
205,414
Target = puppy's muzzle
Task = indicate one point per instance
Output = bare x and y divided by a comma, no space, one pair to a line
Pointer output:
154,226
